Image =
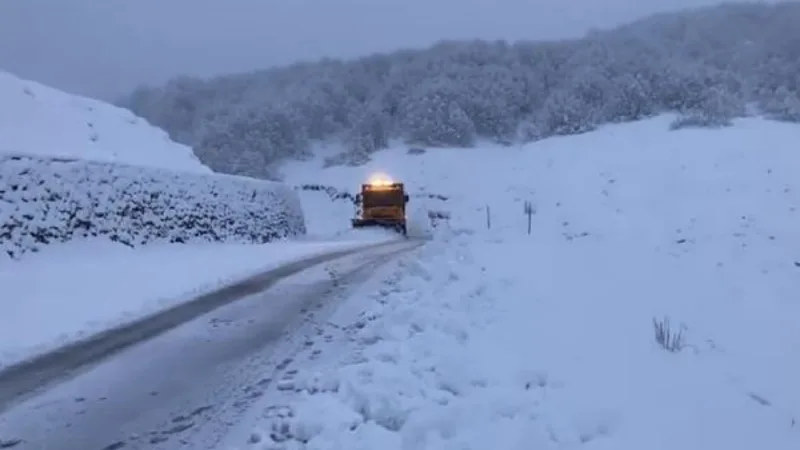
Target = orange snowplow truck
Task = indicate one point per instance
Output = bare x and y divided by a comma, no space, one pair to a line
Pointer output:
382,203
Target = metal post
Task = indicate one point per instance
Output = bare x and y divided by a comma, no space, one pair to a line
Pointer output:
529,211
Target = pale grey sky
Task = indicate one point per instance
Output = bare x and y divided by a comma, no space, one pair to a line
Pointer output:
105,47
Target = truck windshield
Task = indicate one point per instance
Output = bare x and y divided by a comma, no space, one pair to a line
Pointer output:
383,198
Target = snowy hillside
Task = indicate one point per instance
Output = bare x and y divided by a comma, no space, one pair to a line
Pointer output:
71,167
489,337
38,120
708,64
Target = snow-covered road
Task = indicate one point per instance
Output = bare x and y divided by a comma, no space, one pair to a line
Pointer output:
73,301
190,384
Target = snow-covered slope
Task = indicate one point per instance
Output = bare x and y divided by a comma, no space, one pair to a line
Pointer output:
38,120
71,167
490,337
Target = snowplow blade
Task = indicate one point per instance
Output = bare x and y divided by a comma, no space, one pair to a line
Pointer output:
400,227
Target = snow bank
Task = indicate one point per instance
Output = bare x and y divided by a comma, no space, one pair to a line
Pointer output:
492,338
38,120
46,201
328,211
431,365
67,295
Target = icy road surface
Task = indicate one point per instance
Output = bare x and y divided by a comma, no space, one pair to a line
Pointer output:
187,386
92,286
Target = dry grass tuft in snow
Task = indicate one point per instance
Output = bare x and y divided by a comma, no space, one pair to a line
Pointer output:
668,338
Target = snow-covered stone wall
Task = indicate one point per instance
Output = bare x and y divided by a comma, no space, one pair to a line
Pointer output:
45,200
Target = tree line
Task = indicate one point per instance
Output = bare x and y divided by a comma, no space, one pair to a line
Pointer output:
709,65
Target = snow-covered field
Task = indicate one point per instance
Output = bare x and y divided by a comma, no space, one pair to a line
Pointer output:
494,338
38,120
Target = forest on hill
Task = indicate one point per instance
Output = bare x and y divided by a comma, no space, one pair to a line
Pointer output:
709,65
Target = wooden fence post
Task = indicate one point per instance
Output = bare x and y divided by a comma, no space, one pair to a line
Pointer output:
529,212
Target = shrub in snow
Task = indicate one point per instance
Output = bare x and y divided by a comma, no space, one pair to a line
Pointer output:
564,114
45,201
669,339
436,217
530,129
333,193
348,158
698,120
715,107
782,104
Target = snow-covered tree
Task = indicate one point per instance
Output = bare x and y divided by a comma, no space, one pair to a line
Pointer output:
705,64
432,116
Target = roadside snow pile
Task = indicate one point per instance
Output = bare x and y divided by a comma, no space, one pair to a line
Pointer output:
46,201
326,209
493,338
38,120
